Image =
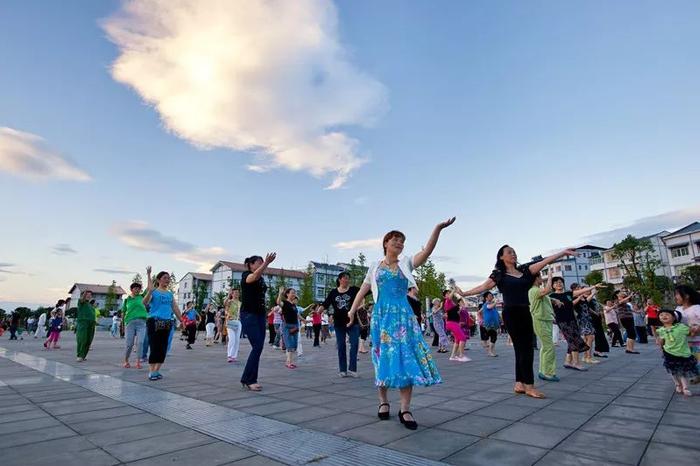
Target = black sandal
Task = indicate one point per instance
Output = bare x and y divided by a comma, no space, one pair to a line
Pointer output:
412,425
381,415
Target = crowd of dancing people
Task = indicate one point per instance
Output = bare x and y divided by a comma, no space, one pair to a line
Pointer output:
534,312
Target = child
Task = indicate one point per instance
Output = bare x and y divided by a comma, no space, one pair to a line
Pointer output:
673,337
54,329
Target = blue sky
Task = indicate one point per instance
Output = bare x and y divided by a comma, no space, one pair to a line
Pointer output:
539,124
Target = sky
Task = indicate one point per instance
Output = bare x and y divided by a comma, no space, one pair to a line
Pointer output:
177,133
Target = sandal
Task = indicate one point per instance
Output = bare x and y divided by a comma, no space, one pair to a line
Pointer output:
138,364
687,392
253,387
535,394
519,389
679,389
383,415
411,425
126,365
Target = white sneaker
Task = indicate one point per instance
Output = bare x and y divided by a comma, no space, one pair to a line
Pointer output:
352,374
453,358
462,359
342,374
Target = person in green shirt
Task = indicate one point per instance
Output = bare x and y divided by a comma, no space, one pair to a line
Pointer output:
542,322
84,325
134,316
673,338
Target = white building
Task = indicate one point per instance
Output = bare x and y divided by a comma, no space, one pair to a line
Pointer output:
227,274
324,277
612,269
99,294
683,248
189,285
573,269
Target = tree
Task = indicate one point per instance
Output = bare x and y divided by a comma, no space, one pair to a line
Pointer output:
306,294
110,300
431,283
218,299
137,279
639,263
593,278
606,292
357,270
691,276
273,288
173,282
200,295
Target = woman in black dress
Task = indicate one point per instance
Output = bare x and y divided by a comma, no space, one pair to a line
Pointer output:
514,281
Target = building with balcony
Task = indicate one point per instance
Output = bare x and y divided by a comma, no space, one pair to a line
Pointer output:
227,274
613,271
189,286
99,294
573,269
683,248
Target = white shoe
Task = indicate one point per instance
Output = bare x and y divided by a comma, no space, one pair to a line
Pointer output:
453,358
352,374
462,359
342,374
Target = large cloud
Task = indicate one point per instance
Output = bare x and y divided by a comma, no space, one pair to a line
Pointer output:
139,235
268,76
25,154
372,243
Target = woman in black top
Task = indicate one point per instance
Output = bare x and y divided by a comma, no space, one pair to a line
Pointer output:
341,299
514,281
253,313
564,302
626,318
290,328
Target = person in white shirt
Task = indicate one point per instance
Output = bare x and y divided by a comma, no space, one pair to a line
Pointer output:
116,320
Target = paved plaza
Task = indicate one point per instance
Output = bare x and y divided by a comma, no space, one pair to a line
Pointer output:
56,411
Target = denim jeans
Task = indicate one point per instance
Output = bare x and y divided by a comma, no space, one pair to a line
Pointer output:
354,333
144,347
134,329
254,327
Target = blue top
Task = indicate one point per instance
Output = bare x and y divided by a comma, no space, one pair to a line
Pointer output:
490,317
161,305
191,314
56,323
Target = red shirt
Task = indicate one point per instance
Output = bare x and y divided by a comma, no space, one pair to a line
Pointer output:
652,312
271,318
316,318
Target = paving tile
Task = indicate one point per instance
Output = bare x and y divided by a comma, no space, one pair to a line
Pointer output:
557,418
378,433
156,446
663,454
496,452
583,407
503,411
462,406
132,433
339,423
28,425
473,424
255,461
433,443
90,427
36,436
626,451
100,414
684,437
430,417
533,434
272,408
212,454
620,427
93,457
680,419
638,414
21,415
643,403
308,413
560,458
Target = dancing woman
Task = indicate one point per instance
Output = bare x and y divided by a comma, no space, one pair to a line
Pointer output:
253,289
514,281
162,306
439,325
400,356
490,323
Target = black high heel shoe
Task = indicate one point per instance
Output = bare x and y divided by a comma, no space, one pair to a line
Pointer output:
412,425
381,415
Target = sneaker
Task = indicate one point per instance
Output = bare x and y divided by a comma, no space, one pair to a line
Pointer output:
352,374
188,347
79,359
593,361
463,359
631,352
231,359
548,378
453,358
342,374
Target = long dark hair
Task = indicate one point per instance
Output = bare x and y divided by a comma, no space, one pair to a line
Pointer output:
250,261
687,292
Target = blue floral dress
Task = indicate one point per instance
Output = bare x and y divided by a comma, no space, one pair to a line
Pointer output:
399,353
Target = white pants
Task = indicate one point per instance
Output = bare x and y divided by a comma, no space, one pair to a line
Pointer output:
299,350
555,333
234,337
40,332
211,327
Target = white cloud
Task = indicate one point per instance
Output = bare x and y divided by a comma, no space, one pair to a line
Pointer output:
266,76
365,244
26,155
139,235
63,249
646,226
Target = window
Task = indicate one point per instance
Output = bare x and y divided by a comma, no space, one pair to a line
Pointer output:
579,267
567,268
614,273
186,285
679,252
557,268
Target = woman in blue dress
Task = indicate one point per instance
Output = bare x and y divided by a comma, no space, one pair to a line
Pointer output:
400,356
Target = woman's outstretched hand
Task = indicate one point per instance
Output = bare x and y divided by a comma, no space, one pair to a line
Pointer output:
446,223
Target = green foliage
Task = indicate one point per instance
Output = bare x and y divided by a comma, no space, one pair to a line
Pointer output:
173,282
200,294
218,299
110,300
639,264
691,276
593,278
306,294
357,270
431,283
137,279
72,313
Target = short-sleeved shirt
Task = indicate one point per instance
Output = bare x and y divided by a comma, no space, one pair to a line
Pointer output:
253,295
489,317
624,311
316,318
85,311
514,289
341,304
133,308
234,310
652,312
564,313
540,306
675,339
451,310
691,316
210,316
161,305
290,314
191,315
610,315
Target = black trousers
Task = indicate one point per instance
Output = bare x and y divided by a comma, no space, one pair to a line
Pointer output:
617,336
273,333
601,341
317,334
158,336
642,334
436,337
191,333
519,324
